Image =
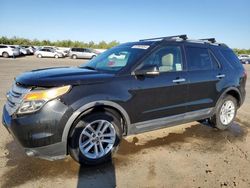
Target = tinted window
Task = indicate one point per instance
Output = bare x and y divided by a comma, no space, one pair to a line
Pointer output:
75,49
198,58
167,59
216,64
88,50
230,56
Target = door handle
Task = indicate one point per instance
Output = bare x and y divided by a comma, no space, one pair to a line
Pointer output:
179,80
220,76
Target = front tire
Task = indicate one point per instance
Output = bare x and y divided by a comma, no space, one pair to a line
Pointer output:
39,55
225,113
94,138
74,57
56,56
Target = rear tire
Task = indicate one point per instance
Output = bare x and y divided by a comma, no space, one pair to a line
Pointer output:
74,57
85,134
225,113
56,56
5,55
93,56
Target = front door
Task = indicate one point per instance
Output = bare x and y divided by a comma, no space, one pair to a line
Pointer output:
162,95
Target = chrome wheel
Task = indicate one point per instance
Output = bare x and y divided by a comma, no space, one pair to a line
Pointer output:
227,112
97,139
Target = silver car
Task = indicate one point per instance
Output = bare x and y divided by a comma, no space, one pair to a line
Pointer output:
82,53
46,52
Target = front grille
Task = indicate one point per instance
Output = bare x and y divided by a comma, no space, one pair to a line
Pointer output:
15,97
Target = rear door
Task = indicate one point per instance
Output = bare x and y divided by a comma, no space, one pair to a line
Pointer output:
50,53
86,53
202,91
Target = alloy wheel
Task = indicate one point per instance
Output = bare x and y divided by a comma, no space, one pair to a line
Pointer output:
97,139
227,112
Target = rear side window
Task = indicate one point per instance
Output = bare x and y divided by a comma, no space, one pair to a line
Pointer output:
231,58
198,58
216,63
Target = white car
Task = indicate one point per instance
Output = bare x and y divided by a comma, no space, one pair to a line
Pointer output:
7,51
30,49
46,52
63,51
243,56
23,51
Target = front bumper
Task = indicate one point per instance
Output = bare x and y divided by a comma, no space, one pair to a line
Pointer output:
40,133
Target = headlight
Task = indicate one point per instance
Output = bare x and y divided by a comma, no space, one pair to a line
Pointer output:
34,100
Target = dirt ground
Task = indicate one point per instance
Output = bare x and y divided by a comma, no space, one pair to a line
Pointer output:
189,155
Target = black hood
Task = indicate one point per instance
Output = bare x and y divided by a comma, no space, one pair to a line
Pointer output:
59,76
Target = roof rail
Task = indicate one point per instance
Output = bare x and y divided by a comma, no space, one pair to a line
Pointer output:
212,40
184,37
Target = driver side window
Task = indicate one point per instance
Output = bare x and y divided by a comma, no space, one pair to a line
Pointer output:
167,59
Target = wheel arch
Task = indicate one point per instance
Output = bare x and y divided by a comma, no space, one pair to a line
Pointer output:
5,52
233,91
88,108
72,55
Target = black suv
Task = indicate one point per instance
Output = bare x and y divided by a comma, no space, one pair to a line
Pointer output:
132,88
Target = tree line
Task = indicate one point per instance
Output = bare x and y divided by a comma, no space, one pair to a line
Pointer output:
77,44
59,43
241,51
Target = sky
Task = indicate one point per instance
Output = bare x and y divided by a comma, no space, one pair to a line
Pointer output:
226,20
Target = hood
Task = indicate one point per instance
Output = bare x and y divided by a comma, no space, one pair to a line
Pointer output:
51,77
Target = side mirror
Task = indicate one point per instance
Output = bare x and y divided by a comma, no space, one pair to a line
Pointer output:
151,70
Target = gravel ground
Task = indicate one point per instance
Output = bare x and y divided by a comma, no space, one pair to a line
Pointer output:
189,155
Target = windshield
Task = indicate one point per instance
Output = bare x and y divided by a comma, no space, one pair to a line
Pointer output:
115,59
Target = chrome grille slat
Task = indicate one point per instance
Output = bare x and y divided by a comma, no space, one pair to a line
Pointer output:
15,98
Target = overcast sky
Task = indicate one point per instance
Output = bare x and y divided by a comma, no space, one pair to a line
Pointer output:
226,20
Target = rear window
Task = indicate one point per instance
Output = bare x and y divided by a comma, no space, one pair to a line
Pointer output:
198,58
230,57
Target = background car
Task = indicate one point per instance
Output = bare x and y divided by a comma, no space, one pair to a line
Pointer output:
7,51
245,60
23,50
46,52
75,53
243,56
30,49
63,51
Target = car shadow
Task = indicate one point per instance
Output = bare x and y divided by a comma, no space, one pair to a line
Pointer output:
21,169
204,138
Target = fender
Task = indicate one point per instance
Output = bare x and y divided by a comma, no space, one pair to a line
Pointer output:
87,106
227,90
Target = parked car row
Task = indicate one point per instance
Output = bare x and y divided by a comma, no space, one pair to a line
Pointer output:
244,58
46,51
73,53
